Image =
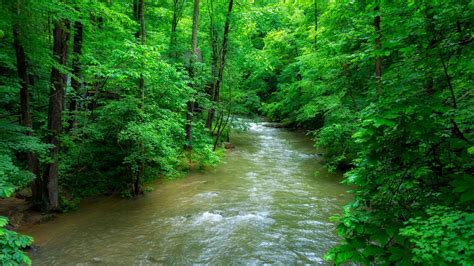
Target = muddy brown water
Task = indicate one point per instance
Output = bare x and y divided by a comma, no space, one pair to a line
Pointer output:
268,202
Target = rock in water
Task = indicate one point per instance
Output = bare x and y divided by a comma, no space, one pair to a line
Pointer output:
228,145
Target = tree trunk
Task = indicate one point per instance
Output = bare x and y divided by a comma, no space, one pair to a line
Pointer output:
25,114
192,73
195,29
173,37
142,21
214,67
139,14
76,81
136,16
142,41
345,68
56,98
430,31
178,6
378,44
225,44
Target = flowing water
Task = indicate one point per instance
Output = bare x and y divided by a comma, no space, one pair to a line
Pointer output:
268,202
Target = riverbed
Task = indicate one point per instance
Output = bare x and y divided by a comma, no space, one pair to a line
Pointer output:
269,201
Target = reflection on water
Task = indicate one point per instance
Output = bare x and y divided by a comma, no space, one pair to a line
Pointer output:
269,202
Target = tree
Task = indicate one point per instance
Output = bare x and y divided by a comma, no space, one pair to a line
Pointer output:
76,81
192,73
222,60
25,118
178,7
378,43
56,100
139,9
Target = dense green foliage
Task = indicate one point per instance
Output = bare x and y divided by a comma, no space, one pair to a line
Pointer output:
385,87
405,133
12,244
445,236
126,84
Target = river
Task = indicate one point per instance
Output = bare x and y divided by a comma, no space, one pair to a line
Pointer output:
269,201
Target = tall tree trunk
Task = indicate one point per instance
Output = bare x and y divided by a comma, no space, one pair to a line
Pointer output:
214,67
142,41
220,124
178,6
139,14
76,81
194,39
142,22
173,35
56,99
430,31
25,114
192,73
136,16
345,68
378,44
225,44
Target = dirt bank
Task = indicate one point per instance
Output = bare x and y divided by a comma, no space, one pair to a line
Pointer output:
20,213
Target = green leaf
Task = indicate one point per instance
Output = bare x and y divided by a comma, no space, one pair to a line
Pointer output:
396,254
471,150
378,122
3,221
468,195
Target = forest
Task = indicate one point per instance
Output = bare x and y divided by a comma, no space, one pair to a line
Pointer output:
104,97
